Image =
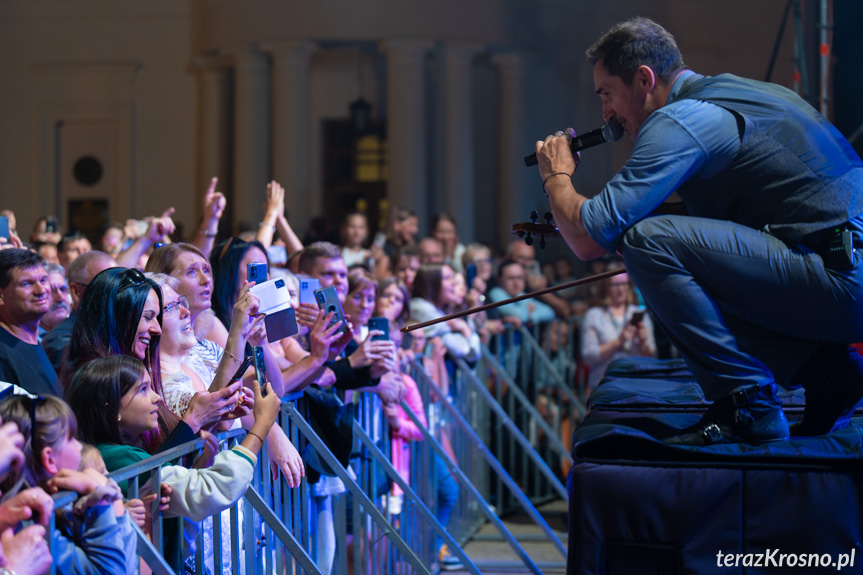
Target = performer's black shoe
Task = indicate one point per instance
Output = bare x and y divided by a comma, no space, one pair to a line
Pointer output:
753,415
833,380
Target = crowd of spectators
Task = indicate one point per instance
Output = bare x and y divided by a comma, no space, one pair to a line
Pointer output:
112,355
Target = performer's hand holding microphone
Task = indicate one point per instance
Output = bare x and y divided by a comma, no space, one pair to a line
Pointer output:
610,132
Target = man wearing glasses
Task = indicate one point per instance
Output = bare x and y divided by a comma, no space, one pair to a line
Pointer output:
82,270
25,296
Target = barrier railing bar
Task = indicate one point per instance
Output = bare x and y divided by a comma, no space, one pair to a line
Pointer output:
359,495
552,370
513,428
525,402
148,552
471,488
281,532
498,469
411,495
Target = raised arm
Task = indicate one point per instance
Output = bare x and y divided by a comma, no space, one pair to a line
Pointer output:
214,206
158,230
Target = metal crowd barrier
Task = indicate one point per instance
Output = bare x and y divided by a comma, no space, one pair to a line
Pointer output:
467,444
268,530
533,375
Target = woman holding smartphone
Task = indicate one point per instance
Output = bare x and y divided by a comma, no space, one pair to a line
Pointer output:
194,281
614,328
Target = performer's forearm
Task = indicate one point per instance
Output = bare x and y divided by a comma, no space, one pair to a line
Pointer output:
566,207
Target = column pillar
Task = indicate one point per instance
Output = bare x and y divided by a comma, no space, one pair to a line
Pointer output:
292,129
251,135
406,126
212,126
460,197
519,187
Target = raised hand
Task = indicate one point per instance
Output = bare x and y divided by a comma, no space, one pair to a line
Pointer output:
214,204
324,336
159,228
206,408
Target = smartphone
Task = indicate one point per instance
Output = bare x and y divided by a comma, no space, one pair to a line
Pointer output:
278,255
4,227
469,275
381,324
307,290
380,240
328,300
51,225
260,368
407,341
257,273
637,316
247,362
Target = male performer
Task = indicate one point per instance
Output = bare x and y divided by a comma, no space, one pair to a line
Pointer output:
758,284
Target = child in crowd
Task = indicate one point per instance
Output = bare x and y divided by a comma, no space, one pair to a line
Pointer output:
355,231
116,405
95,533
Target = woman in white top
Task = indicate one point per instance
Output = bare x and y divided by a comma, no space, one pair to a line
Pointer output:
434,290
615,328
187,265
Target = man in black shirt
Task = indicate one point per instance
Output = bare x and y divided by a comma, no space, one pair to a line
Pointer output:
25,296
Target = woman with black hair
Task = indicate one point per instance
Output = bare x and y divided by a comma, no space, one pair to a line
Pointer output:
121,314
230,261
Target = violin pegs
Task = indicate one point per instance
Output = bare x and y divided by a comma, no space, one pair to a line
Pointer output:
528,240
542,242
534,215
548,217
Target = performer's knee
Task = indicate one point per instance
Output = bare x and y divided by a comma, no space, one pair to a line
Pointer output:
645,235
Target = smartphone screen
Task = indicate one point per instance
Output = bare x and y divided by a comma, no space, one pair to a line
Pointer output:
637,316
260,368
380,239
380,324
307,290
257,273
4,227
469,275
247,362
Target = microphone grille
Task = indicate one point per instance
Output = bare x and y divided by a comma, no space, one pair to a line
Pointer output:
612,131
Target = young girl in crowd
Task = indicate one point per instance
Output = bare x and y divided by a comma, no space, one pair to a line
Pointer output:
443,230
402,229
434,291
114,400
95,534
355,231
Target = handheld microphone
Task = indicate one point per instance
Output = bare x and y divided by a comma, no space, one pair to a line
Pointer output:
610,132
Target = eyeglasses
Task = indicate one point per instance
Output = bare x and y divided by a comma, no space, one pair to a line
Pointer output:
131,278
175,306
